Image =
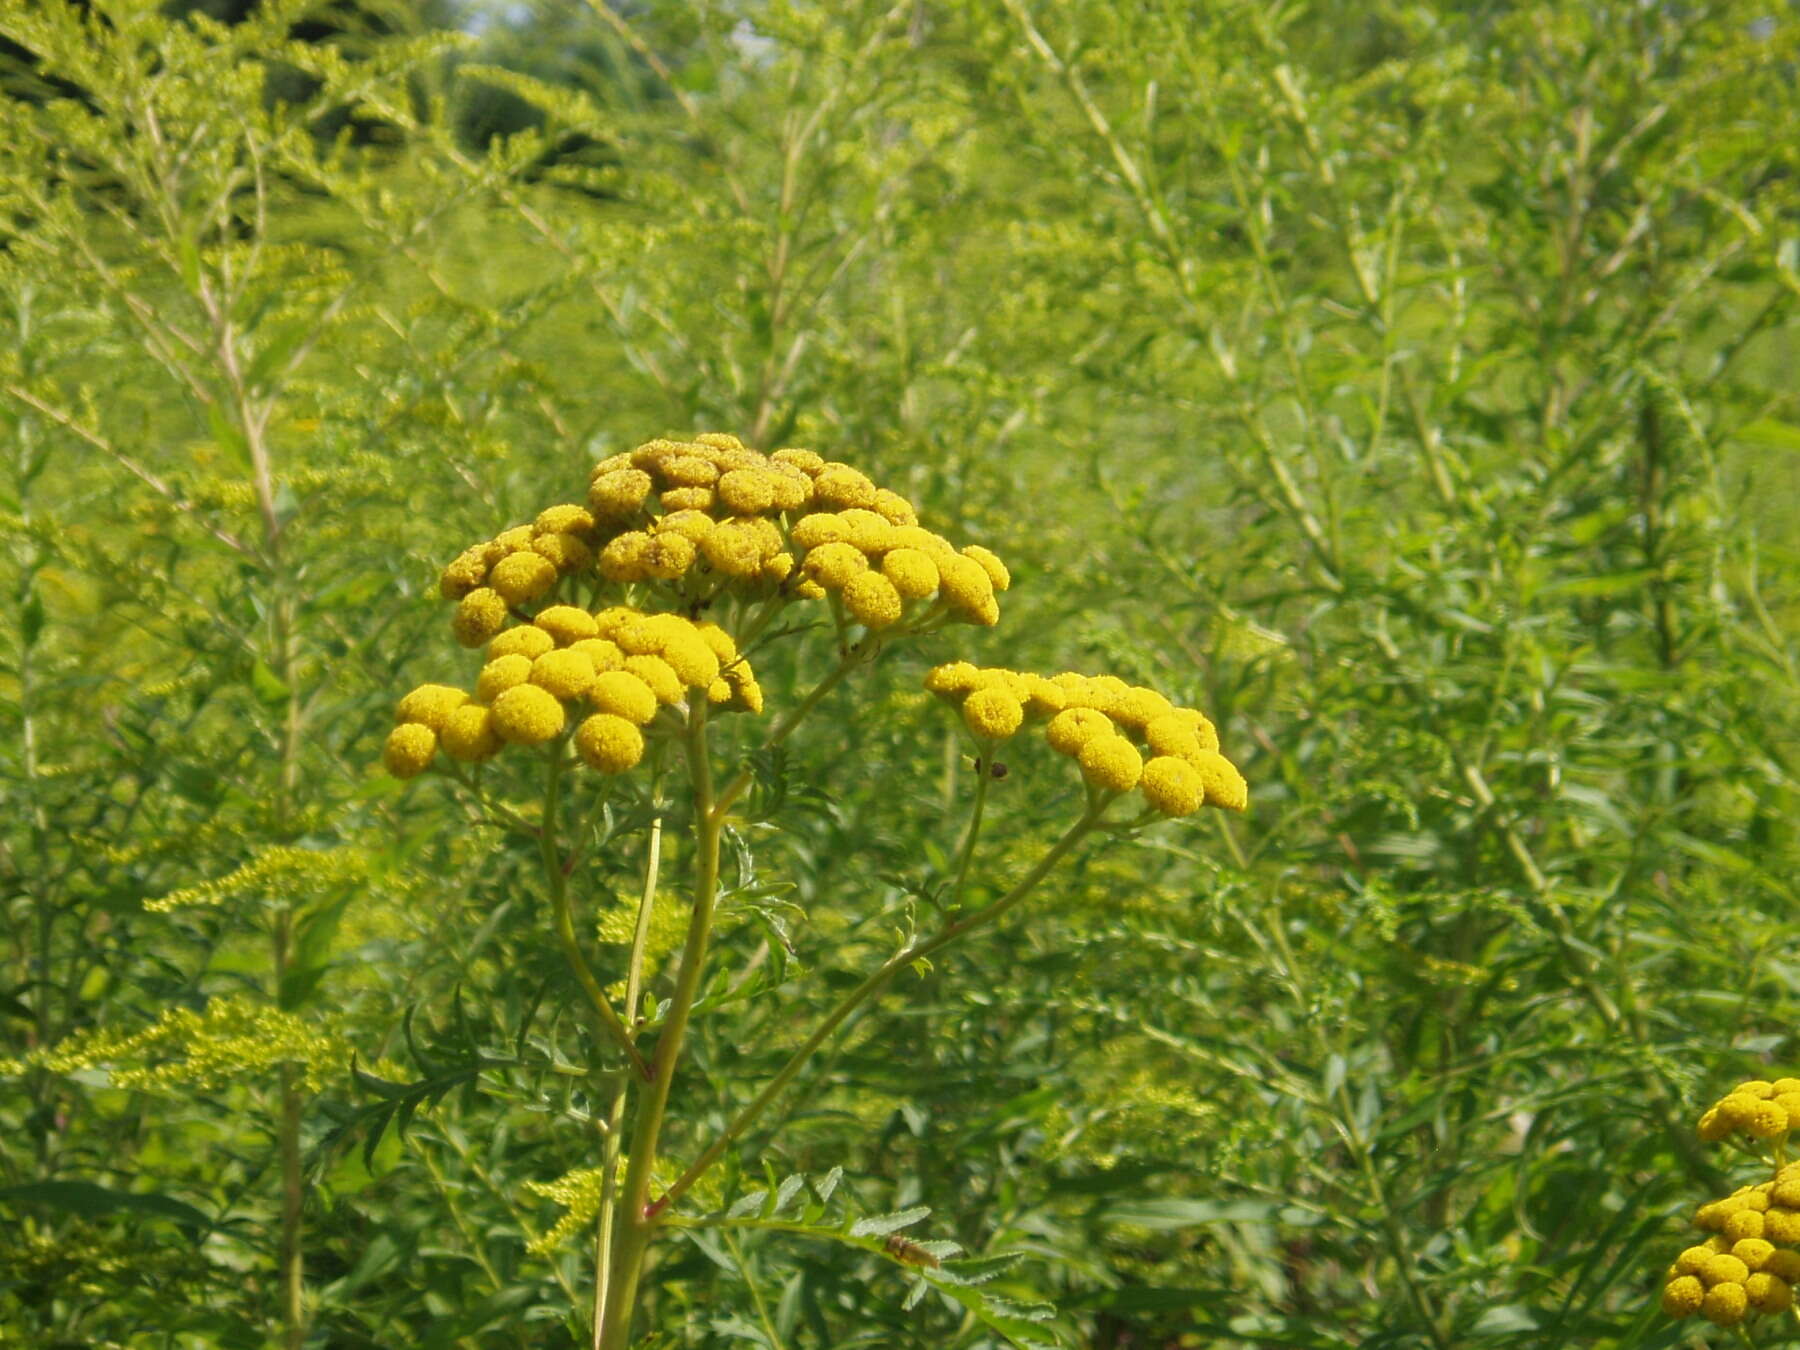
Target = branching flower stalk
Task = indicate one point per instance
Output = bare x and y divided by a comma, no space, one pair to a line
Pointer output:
672,531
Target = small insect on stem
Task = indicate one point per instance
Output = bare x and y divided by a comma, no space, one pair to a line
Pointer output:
909,1253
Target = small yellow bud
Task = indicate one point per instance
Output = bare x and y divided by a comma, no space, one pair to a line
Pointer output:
479,615
687,499
966,586
1110,763
692,526
1042,698
688,471
1759,1088
1723,1269
525,640
1725,1304
565,674
1754,1252
469,735
831,565
872,600
1225,786
804,460
501,674
1173,786
992,714
733,551
658,675
624,694
952,680
1790,1102
430,705
1768,1293
565,552
723,645
895,507
1073,728
625,558
1713,1126
693,662
668,556
746,492
1203,730
609,743
463,575
913,574
867,532
522,577
1682,1296
619,494
790,489
991,564
1746,1223
604,654
822,527
409,749
568,519
842,486
527,715
1768,1120
1781,1224
566,624
1784,1264
1693,1259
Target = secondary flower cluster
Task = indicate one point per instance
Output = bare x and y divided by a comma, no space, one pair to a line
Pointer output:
1106,726
626,665
1757,1110
1752,1261
710,517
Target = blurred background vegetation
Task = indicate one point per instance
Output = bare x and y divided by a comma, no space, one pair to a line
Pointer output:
1410,385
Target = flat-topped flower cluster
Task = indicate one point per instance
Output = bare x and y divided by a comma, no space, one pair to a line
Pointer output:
628,666
1123,736
708,519
675,529
669,531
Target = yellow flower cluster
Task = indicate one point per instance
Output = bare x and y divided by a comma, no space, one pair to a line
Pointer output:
1123,736
623,664
711,516
516,567
1752,1261
231,1039
1757,1110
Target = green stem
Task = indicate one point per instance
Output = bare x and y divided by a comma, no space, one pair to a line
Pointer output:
868,989
634,1224
608,1020
984,773
609,1183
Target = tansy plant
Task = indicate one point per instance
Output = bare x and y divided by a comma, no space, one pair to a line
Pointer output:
1743,1275
619,635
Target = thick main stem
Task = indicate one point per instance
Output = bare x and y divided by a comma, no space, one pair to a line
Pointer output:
635,1225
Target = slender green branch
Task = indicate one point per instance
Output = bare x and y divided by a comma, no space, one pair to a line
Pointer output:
610,1024
984,774
868,989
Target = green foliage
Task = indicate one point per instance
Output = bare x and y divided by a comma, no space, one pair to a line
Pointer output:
1409,387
